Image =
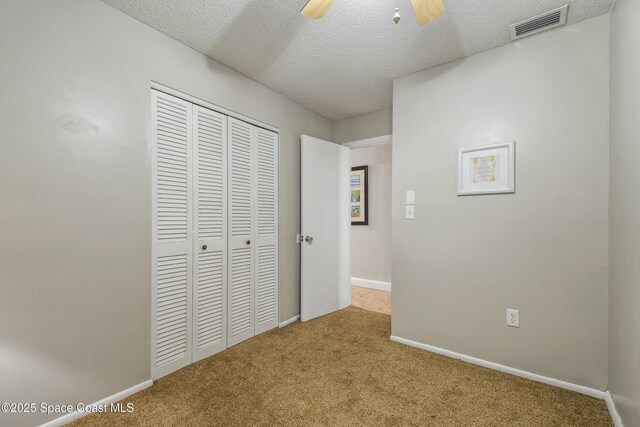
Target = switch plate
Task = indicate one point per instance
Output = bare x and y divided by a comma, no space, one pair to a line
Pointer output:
411,197
513,318
410,212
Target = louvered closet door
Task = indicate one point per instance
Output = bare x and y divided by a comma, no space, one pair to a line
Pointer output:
266,257
210,239
172,234
241,219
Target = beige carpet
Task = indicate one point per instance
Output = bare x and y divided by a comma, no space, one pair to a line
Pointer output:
342,370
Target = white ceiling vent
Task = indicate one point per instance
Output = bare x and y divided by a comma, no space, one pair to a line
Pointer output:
537,24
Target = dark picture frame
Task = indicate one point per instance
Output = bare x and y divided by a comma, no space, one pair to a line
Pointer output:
359,195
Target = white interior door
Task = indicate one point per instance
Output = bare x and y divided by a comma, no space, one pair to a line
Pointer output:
172,234
242,191
266,257
210,237
214,232
326,227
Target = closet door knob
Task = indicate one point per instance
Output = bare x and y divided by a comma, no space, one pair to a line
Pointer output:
248,242
204,247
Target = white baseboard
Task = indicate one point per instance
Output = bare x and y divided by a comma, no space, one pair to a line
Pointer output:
613,412
371,284
107,400
509,370
288,322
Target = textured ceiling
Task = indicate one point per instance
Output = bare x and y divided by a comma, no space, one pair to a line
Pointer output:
342,65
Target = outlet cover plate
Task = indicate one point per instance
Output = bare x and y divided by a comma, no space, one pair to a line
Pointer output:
410,212
513,318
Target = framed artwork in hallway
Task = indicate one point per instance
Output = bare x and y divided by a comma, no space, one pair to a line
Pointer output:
360,195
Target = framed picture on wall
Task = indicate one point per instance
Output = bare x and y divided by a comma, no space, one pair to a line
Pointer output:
489,169
360,195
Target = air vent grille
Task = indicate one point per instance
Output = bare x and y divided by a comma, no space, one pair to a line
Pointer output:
539,23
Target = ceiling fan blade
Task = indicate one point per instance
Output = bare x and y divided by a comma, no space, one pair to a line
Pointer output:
428,10
315,9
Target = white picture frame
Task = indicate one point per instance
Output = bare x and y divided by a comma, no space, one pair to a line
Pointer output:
488,169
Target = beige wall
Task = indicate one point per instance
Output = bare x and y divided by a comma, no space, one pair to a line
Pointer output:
464,260
75,260
371,244
361,127
624,211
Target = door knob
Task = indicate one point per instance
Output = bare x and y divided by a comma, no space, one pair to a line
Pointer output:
248,242
308,239
204,247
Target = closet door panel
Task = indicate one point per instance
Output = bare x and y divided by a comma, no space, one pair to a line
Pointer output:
210,240
266,260
171,233
241,227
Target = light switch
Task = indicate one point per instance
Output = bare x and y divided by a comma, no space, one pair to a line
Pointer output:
411,197
410,212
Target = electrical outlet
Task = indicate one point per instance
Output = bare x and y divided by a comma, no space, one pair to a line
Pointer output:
513,318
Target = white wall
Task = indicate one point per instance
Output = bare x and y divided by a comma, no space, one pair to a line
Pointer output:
624,211
371,244
361,127
464,260
75,260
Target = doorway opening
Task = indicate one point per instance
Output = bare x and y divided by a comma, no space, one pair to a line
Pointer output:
371,223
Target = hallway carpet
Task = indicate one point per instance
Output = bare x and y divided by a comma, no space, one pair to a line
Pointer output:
342,370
